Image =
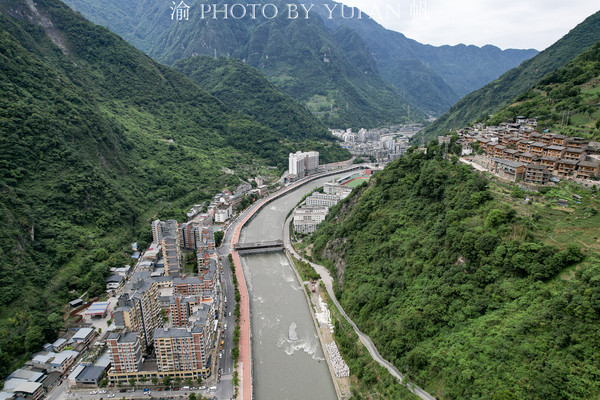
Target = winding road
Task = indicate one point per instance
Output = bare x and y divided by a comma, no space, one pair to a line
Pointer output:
366,340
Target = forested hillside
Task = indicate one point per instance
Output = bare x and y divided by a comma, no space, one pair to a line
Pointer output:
96,139
468,289
334,66
244,89
497,94
567,99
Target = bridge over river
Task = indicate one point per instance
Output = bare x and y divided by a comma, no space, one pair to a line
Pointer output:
259,247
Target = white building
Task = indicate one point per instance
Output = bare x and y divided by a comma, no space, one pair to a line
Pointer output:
336,188
322,199
223,213
307,218
303,164
157,231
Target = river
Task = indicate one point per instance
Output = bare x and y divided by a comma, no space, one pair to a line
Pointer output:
284,369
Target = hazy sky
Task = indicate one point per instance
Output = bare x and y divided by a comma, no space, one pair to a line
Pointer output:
504,23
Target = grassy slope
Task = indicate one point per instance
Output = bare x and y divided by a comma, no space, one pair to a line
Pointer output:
465,288
93,144
509,86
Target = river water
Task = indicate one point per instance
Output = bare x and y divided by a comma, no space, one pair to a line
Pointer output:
284,369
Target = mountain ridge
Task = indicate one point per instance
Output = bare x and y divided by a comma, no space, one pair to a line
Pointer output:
490,98
412,69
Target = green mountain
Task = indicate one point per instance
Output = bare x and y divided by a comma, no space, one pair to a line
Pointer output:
495,95
567,99
434,77
301,57
243,88
96,139
335,66
463,286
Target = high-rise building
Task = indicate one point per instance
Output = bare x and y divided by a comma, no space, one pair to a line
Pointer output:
157,231
186,349
171,248
181,309
186,235
125,351
303,164
138,308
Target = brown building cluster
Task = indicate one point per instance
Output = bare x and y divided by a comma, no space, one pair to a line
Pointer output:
517,152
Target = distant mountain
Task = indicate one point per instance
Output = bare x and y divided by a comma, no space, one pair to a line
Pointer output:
567,99
434,77
493,96
96,138
343,70
301,57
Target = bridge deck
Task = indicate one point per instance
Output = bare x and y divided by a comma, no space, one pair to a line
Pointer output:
258,245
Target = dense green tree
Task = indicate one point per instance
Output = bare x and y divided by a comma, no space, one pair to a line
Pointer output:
457,289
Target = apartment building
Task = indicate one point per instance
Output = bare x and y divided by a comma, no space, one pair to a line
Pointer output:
536,174
125,349
588,169
565,168
171,248
554,151
549,162
188,286
138,308
181,309
157,231
572,153
303,164
186,349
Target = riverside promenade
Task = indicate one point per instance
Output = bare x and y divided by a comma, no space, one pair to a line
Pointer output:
244,365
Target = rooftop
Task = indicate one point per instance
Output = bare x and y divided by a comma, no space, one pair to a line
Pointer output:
82,333
28,375
90,373
28,387
514,164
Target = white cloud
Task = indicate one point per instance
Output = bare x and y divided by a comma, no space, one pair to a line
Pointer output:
505,23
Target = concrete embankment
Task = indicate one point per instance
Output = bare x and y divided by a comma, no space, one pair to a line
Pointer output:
245,373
